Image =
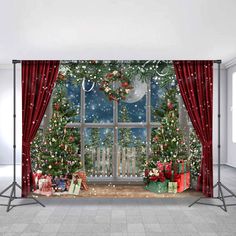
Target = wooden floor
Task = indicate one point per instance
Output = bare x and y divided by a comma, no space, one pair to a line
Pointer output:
124,191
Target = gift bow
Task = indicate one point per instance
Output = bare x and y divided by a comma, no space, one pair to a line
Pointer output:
160,177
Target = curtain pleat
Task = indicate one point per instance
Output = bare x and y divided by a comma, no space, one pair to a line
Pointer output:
195,79
38,80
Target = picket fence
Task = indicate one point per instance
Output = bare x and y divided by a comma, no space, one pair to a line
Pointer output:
103,162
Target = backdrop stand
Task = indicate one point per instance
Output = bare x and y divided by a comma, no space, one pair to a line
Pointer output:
218,185
14,185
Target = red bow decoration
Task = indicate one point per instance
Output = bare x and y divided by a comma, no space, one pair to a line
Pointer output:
160,178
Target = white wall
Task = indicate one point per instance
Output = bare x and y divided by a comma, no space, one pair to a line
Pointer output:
117,29
231,147
223,123
6,114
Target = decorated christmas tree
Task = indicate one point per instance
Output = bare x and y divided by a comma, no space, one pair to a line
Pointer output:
195,155
108,139
125,134
94,137
168,143
57,150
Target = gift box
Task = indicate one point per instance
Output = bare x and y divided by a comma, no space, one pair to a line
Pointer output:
62,185
59,183
181,166
41,183
82,176
157,187
166,166
183,181
45,186
36,177
172,187
75,185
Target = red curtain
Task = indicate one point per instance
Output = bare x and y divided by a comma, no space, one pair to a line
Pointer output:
195,79
38,80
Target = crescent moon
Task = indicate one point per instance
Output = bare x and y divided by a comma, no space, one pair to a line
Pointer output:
83,86
138,91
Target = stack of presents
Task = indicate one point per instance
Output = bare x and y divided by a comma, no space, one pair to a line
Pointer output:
168,177
66,184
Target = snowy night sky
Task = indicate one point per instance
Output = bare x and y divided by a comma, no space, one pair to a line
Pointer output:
99,109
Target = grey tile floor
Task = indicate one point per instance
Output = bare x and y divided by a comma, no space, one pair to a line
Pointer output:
118,217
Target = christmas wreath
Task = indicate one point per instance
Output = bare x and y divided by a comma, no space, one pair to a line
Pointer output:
116,93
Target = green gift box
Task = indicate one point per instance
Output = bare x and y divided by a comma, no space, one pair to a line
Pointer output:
172,187
181,166
75,186
157,187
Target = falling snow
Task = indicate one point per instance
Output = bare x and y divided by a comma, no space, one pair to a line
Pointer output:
98,109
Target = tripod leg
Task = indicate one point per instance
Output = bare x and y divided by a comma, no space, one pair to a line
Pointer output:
18,186
222,198
10,199
194,202
38,201
215,185
228,190
6,189
31,197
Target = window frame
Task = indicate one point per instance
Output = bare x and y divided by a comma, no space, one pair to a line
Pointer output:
115,125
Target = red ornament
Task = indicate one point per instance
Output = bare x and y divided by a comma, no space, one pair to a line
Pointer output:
170,106
112,97
155,139
56,106
71,139
109,75
124,84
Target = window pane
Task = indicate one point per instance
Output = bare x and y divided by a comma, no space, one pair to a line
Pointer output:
156,94
131,154
130,111
98,109
98,151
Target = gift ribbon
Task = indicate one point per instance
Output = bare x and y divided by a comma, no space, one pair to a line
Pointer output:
181,166
74,188
185,180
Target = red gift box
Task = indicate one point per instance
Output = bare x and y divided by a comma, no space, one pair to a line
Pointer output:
183,181
166,166
181,166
